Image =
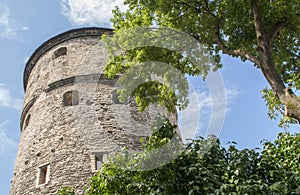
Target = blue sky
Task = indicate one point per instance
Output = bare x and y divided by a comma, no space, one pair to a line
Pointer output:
24,25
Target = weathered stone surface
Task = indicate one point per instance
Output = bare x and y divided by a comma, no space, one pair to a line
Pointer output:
66,137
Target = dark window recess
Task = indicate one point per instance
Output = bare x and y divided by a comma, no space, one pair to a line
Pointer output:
60,52
43,174
115,98
27,120
100,159
98,163
71,98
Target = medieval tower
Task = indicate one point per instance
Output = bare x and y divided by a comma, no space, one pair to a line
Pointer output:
71,119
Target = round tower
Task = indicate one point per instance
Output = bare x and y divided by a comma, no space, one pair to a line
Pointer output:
71,120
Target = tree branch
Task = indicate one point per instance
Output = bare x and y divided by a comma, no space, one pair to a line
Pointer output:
273,31
199,9
258,26
235,52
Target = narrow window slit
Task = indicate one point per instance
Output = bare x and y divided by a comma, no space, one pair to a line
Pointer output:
60,52
43,174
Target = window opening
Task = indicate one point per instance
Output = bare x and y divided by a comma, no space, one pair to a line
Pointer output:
71,98
43,174
100,158
115,98
27,120
60,52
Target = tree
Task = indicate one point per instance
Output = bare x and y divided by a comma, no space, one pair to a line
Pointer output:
265,33
206,170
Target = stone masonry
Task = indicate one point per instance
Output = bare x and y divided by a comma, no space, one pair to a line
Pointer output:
71,117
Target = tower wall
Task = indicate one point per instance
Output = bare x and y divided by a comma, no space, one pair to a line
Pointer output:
60,143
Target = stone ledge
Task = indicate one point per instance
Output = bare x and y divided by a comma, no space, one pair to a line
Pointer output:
90,78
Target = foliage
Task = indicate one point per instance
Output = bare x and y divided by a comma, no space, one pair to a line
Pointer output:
205,167
66,191
275,107
265,33
275,170
149,73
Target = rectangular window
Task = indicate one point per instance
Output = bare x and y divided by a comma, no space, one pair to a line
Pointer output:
43,174
98,163
100,158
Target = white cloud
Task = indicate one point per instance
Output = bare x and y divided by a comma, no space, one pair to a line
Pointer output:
5,141
195,119
8,27
90,12
6,100
190,119
231,93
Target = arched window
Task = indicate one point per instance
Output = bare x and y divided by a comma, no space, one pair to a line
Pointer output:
115,98
27,120
60,52
71,98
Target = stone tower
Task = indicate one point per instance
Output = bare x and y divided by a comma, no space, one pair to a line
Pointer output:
71,120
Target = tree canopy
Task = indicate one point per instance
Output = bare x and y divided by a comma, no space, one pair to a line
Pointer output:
205,167
265,33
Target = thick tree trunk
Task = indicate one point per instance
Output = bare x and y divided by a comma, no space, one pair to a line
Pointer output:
266,63
285,95
292,103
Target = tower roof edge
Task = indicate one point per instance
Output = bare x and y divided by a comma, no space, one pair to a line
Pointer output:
60,38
